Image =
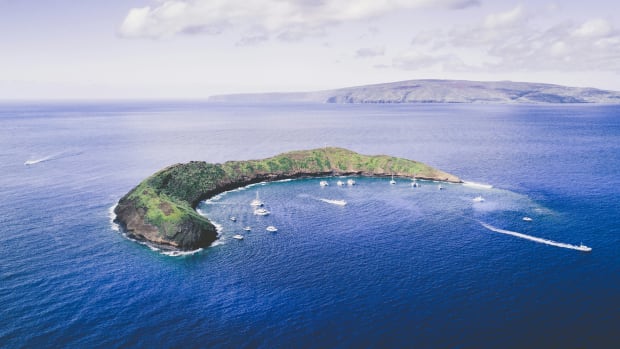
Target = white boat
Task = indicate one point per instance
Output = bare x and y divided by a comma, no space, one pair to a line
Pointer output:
335,202
256,202
392,181
527,219
247,228
440,187
478,199
350,182
340,183
584,248
271,228
233,218
414,183
323,183
238,237
261,212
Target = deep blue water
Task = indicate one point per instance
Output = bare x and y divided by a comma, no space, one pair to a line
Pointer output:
395,267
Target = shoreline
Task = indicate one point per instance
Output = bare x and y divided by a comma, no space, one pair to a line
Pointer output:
162,209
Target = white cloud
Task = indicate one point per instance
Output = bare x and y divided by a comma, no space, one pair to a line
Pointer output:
595,28
513,42
286,19
366,52
503,19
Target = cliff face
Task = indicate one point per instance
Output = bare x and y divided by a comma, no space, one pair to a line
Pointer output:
161,209
440,91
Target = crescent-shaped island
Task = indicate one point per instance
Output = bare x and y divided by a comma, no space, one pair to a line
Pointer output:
161,210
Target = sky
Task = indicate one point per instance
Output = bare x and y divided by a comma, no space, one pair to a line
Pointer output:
191,49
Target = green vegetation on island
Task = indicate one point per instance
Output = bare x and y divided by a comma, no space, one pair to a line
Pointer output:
161,209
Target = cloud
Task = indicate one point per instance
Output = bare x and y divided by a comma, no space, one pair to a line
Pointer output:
514,41
594,28
290,19
366,52
416,60
504,19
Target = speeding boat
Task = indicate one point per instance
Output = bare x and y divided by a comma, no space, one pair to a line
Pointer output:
392,181
271,228
238,237
350,182
584,248
261,212
323,183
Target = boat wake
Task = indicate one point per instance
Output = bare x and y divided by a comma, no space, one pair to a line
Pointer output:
334,202
478,185
581,247
56,156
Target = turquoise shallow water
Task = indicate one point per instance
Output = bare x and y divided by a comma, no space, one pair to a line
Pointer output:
397,266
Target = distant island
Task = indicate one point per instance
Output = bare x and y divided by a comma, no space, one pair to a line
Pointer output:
161,210
439,91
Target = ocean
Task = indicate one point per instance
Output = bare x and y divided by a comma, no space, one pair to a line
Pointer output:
397,266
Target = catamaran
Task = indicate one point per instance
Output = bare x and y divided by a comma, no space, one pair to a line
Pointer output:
256,202
261,212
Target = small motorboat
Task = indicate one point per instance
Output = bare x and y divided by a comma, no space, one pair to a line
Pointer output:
233,218
340,183
527,219
271,228
392,181
350,182
238,237
584,248
247,228
440,187
478,199
323,183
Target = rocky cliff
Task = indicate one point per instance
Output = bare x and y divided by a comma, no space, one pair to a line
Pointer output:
161,209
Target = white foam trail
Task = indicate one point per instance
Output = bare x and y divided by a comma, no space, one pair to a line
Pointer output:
581,247
334,202
36,161
478,185
51,157
180,253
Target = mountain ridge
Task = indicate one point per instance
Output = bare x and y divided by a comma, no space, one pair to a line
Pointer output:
439,91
